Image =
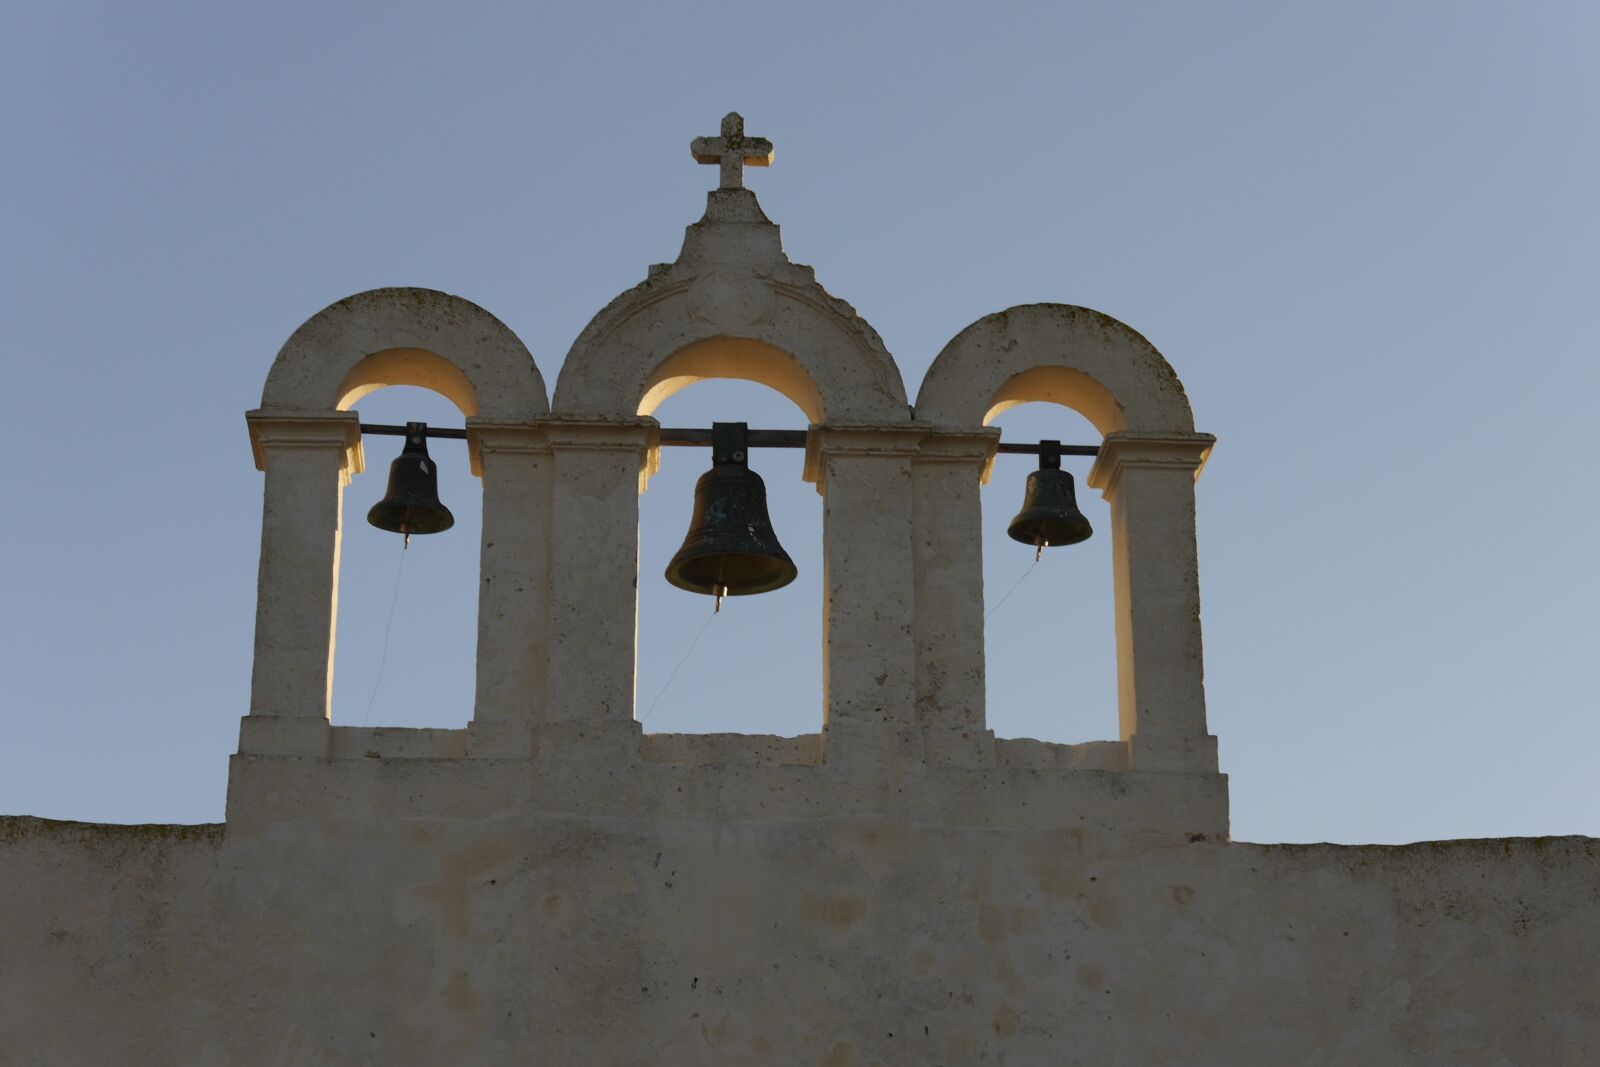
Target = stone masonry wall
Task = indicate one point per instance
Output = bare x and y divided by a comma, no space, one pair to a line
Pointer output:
506,927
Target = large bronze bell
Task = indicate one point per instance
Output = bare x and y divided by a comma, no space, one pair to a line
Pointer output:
412,505
731,549
1050,514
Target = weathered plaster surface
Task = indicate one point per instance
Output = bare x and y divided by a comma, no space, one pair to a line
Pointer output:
749,932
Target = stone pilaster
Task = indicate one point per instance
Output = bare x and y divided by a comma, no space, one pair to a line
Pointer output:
518,474
869,588
308,460
600,469
947,548
1149,482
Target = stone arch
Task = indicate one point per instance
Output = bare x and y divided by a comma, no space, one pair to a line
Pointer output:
794,338
1148,462
731,307
309,444
1058,353
406,336
737,358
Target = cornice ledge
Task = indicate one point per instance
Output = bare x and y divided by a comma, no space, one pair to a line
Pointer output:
334,429
1119,451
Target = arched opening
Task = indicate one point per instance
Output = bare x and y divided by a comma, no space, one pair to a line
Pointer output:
1049,629
756,667
1069,388
418,669
738,359
408,367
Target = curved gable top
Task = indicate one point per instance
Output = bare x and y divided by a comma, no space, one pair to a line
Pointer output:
406,336
775,326
1060,353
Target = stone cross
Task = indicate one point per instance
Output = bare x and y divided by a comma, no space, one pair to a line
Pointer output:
733,151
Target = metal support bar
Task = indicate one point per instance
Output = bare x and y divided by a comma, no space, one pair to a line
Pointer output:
386,430
755,438
1038,449
694,438
674,436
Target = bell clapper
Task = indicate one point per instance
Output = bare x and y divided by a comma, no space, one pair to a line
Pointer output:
721,591
1038,551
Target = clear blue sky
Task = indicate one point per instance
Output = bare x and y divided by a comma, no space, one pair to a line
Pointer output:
1364,233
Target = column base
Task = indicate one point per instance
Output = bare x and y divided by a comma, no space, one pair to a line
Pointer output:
862,747
1188,755
590,741
501,740
959,746
283,735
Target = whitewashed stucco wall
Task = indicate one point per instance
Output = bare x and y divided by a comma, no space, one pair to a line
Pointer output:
890,937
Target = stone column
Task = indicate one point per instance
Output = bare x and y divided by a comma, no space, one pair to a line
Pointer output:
600,469
513,586
1149,482
308,460
869,652
947,547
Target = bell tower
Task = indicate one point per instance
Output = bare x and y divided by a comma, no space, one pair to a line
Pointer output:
903,655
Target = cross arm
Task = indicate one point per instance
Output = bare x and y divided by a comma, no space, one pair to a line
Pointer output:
755,151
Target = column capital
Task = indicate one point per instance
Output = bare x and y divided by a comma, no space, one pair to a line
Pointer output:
1187,451
567,432
962,447
337,429
641,434
514,438
959,445
827,440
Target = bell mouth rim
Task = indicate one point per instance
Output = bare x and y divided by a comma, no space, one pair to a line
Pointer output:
417,531
785,576
1087,532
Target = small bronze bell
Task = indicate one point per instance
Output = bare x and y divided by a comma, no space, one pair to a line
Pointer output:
731,549
1049,514
412,505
